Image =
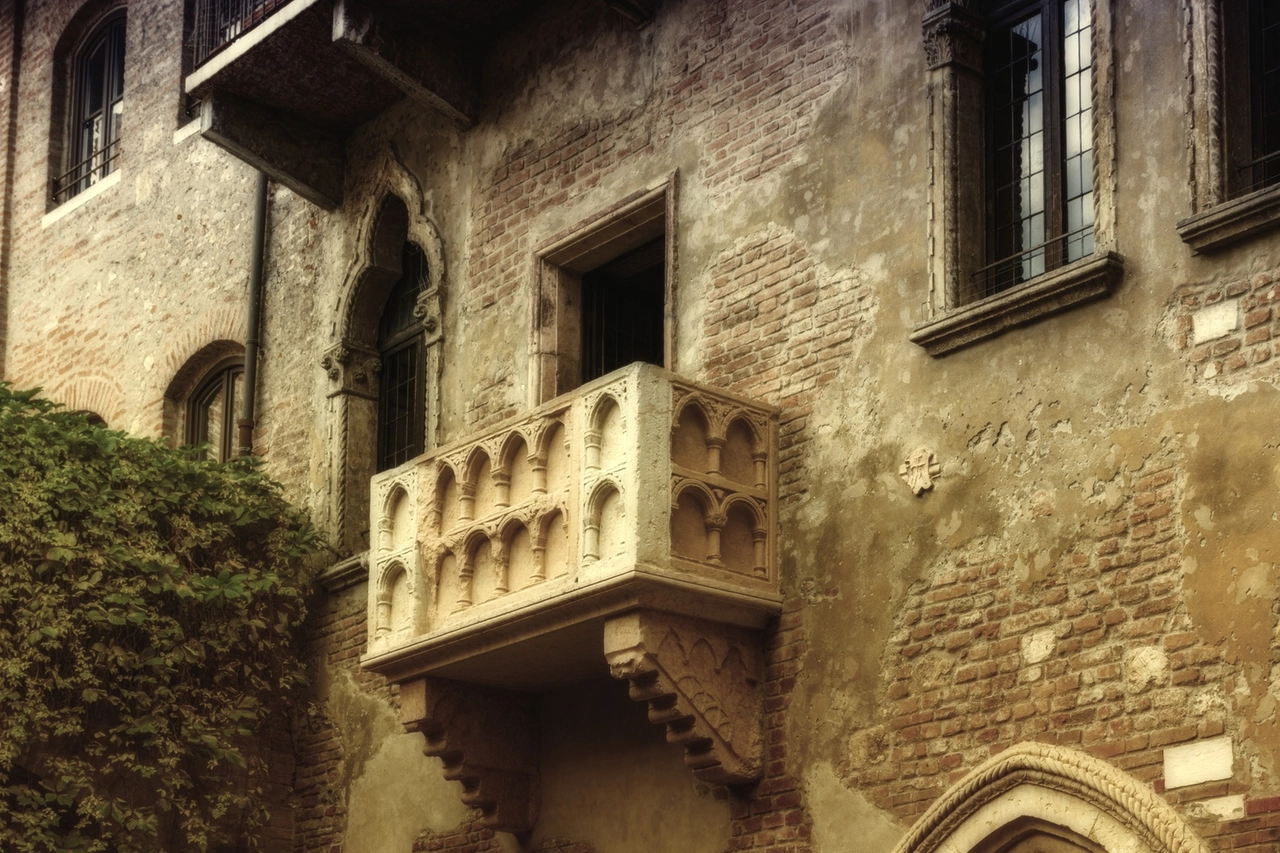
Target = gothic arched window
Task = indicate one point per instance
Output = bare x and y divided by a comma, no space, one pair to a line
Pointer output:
402,378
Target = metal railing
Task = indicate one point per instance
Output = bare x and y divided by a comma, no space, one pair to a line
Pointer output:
1031,262
86,173
1255,175
220,22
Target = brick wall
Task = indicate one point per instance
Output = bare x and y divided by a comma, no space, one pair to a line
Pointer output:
779,326
337,634
1226,330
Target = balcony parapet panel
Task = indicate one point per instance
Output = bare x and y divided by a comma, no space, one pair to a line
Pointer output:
498,559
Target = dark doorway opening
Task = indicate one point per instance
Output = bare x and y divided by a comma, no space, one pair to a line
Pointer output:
622,311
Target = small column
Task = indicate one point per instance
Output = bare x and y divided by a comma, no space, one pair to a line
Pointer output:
715,524
538,464
466,501
761,458
502,485
760,538
714,446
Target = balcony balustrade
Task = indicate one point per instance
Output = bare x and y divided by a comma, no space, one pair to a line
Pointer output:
498,559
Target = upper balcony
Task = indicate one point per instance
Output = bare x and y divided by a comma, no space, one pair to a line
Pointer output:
499,559
282,83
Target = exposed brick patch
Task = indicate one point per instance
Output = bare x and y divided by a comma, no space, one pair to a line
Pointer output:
772,817
1257,832
337,633
468,837
963,682
1245,354
774,62
564,845
779,326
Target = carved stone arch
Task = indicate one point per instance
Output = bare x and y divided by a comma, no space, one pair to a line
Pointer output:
594,520
445,473
385,584
754,509
601,408
391,215
505,457
704,495
1061,787
395,492
684,401
753,424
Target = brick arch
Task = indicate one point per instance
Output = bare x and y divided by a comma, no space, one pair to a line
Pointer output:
92,392
1059,787
189,374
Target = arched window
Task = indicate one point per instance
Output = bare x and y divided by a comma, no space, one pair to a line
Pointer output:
212,408
96,108
402,378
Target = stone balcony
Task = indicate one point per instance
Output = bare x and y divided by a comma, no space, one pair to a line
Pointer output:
627,528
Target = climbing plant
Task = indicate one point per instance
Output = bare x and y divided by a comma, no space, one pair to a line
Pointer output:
150,607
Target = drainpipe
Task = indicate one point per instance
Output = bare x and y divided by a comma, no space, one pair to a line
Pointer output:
7,178
250,390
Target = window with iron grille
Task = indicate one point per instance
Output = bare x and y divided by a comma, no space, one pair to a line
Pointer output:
1038,76
1022,164
402,378
1251,67
96,109
212,409
622,311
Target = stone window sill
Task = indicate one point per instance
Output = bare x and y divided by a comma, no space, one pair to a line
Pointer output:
345,573
1232,220
1047,294
80,199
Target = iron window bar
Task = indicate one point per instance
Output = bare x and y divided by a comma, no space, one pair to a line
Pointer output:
86,173
220,22
1011,271
1269,164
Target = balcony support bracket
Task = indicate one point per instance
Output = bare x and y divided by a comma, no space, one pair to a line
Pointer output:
424,66
306,159
487,739
703,681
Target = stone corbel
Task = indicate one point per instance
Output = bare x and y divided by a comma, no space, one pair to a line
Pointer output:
487,739
427,311
352,369
703,681
953,34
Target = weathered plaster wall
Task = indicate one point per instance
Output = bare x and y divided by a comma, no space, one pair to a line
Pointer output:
1094,565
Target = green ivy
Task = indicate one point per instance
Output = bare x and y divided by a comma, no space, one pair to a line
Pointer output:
150,608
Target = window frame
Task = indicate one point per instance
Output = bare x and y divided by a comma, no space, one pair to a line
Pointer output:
1222,212
220,377
408,337
956,313
561,262
83,164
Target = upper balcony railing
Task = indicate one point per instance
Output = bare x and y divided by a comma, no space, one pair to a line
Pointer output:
638,490
220,22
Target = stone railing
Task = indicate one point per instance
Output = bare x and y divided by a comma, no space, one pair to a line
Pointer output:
637,491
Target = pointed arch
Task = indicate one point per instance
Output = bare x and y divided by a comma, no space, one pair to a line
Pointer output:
390,238
1060,787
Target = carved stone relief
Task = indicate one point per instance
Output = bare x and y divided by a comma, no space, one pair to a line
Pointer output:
487,740
919,469
702,681
352,370
1003,788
